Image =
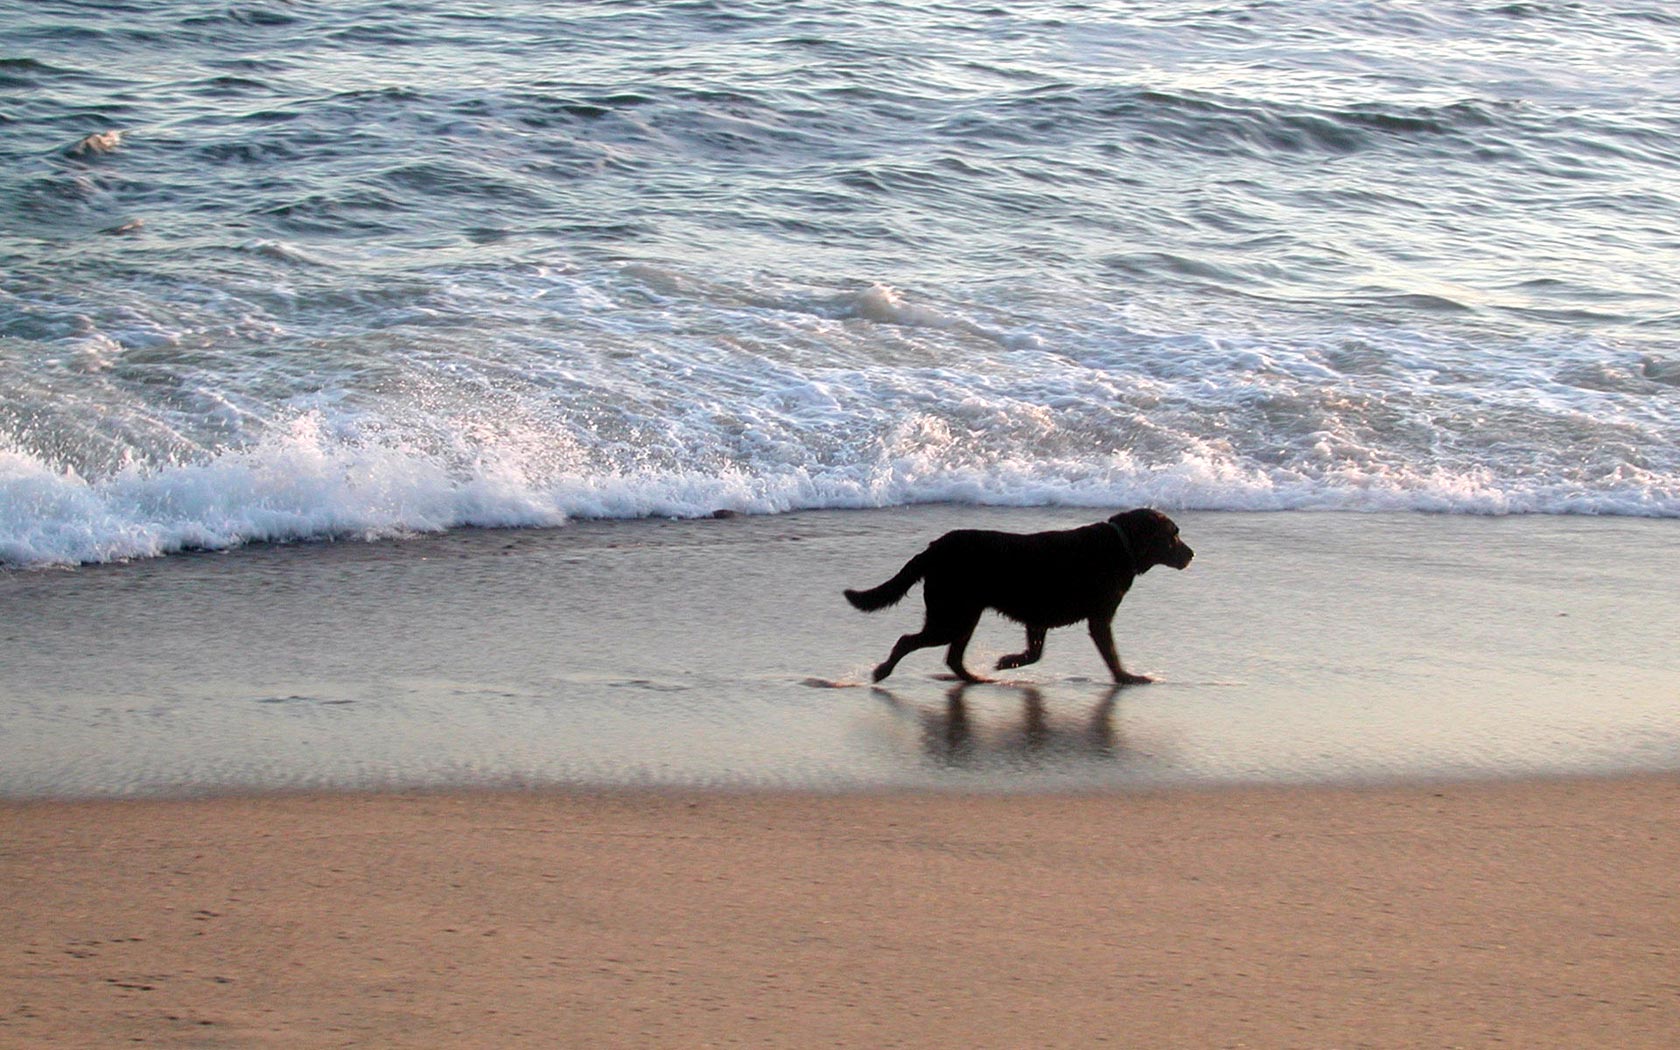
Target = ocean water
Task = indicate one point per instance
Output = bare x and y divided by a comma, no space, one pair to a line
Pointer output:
296,269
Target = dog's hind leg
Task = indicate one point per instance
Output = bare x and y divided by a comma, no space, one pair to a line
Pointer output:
954,632
1035,649
922,639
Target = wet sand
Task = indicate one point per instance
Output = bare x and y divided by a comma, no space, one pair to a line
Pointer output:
700,654
1534,914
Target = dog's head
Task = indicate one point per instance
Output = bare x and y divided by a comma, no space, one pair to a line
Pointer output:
1154,539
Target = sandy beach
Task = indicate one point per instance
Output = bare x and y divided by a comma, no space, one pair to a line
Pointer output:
1521,914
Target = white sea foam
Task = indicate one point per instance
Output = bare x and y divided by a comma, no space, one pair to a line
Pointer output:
889,305
317,478
530,396
297,485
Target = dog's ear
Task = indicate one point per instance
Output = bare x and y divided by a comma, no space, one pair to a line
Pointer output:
1143,524
1154,538
1169,546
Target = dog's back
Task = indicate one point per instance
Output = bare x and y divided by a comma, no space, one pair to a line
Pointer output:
1047,579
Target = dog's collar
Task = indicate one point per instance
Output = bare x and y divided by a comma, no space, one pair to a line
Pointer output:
1125,544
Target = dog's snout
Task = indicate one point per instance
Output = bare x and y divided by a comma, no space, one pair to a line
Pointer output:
1184,554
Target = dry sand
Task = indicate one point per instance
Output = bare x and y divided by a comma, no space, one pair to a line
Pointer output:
1520,914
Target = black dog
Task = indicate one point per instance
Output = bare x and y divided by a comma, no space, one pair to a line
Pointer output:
1041,580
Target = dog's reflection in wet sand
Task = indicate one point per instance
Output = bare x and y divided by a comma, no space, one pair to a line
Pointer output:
955,735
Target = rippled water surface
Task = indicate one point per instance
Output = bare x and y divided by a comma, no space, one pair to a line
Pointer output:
294,269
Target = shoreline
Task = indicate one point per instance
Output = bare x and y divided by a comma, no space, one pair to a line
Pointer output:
700,654
1540,912
489,789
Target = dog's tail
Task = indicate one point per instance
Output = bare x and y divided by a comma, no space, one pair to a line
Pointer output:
894,589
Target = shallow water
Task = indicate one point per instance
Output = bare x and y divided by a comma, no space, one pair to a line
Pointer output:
1296,648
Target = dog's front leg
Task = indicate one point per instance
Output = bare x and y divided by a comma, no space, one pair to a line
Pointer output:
1102,632
1035,649
962,631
